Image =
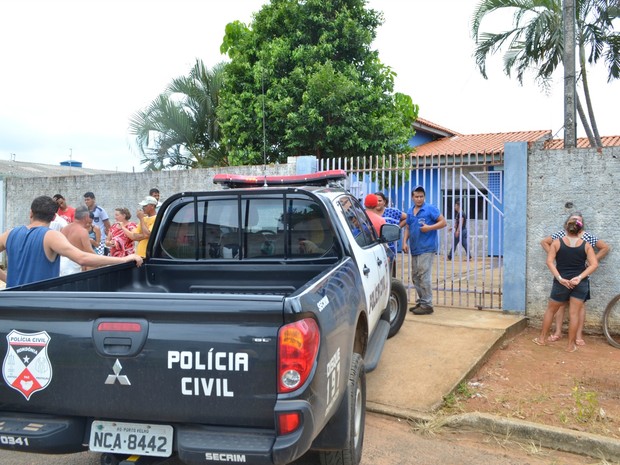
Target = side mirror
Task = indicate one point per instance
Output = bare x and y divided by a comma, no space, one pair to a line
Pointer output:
389,233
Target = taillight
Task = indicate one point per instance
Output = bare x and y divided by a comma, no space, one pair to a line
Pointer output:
288,422
298,344
119,326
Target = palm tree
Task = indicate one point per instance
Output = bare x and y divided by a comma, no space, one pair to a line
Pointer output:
536,43
180,129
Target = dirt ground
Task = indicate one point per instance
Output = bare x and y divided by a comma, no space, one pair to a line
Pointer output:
579,391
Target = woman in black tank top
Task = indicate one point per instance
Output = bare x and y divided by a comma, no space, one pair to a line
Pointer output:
567,262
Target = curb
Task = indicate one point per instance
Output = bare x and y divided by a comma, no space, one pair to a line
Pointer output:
592,445
551,437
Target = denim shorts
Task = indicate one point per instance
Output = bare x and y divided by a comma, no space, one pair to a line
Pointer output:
561,293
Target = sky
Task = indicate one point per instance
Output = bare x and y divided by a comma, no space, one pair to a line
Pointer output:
75,71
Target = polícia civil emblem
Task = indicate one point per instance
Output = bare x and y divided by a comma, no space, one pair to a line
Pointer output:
26,367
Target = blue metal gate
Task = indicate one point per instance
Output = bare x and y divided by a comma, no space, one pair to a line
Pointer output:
476,181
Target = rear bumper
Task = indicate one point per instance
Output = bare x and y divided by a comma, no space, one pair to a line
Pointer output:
197,444
43,434
194,444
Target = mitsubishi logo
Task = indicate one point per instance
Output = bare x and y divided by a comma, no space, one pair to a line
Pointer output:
122,379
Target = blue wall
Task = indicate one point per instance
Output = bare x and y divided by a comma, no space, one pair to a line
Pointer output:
421,138
515,226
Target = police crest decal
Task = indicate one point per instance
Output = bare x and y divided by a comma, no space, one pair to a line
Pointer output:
26,367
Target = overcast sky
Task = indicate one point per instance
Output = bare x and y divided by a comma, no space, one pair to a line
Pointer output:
75,71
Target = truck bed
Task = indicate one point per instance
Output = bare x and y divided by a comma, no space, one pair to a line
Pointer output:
196,278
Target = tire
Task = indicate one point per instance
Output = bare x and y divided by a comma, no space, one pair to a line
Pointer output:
612,312
356,418
397,307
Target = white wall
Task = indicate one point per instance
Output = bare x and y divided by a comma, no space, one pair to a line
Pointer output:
590,181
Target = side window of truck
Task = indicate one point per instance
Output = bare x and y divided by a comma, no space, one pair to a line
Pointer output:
358,222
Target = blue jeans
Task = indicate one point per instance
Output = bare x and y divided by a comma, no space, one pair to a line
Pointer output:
462,238
421,275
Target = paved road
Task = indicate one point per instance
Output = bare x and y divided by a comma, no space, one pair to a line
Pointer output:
388,441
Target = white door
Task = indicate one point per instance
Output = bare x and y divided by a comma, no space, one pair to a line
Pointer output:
370,256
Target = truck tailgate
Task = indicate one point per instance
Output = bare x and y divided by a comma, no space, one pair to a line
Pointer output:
190,358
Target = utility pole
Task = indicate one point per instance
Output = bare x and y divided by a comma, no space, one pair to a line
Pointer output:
570,123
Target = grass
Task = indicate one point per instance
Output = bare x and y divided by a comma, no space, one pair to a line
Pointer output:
586,404
428,428
452,402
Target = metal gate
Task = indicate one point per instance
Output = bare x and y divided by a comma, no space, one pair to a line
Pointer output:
476,181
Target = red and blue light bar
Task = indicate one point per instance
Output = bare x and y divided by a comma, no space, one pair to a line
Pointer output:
322,178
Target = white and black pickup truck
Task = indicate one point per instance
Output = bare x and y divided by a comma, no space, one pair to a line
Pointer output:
244,338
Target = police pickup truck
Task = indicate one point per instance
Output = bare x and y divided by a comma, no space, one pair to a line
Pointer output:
244,338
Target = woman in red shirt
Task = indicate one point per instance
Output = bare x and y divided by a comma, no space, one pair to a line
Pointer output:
120,245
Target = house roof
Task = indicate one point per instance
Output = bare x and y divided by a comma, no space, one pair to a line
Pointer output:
478,143
425,125
583,142
20,169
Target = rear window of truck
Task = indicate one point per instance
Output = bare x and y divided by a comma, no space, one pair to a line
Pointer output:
247,228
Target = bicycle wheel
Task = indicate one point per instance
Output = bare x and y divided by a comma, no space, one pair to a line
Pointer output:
611,322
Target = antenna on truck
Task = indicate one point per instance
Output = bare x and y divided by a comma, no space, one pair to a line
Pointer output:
262,79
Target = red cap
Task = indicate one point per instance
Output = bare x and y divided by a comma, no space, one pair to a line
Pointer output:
370,201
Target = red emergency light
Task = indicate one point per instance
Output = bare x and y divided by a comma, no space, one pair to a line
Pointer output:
322,178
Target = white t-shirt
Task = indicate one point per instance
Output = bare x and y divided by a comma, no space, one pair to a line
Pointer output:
68,266
58,223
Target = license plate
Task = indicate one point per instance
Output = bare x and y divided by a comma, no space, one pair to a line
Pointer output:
131,438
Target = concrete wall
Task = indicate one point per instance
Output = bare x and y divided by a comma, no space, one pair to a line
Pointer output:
119,189
559,183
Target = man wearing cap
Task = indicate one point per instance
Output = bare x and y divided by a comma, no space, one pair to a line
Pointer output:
370,202
423,221
146,215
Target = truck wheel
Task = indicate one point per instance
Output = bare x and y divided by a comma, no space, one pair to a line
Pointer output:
356,418
397,307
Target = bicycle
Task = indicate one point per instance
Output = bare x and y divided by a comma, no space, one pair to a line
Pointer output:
611,322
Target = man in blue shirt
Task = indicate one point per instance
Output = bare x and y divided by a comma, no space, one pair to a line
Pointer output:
420,236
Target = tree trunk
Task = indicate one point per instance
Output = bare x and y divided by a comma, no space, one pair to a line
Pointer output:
586,93
570,126
584,121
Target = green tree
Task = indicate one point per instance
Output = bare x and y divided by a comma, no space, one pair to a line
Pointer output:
304,80
535,43
179,129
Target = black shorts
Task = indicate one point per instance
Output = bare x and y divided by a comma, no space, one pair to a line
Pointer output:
561,293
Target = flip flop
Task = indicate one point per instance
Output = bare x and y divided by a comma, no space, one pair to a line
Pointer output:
574,349
537,342
554,338
580,342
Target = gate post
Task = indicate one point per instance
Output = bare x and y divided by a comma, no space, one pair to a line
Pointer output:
306,164
515,226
